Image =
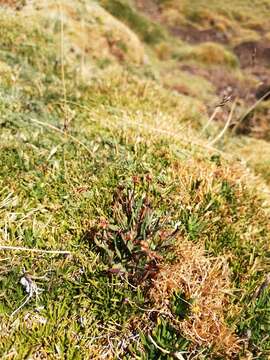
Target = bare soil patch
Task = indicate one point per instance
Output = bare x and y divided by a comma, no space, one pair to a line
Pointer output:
253,53
150,8
225,82
194,36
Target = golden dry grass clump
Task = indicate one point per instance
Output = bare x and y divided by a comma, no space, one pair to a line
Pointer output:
212,53
204,282
5,69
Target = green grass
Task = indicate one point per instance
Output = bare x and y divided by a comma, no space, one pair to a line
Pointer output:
149,31
112,189
209,54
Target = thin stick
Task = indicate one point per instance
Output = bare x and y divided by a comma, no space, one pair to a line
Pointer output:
62,66
251,108
176,355
212,117
62,132
22,305
218,107
83,49
164,351
219,136
22,248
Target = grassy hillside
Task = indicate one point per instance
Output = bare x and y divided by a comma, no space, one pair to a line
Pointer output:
133,225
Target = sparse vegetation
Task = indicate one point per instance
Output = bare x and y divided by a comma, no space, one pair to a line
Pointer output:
106,154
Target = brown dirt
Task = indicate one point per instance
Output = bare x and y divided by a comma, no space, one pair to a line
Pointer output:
263,90
252,53
225,82
150,8
261,73
194,36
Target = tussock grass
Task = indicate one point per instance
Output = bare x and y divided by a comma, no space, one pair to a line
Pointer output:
208,53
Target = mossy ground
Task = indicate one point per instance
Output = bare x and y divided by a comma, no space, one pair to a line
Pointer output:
102,157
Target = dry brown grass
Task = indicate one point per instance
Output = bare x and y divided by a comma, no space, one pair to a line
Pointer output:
205,281
211,53
12,3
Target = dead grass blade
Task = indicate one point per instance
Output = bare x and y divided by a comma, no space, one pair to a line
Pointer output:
249,110
21,248
219,136
73,138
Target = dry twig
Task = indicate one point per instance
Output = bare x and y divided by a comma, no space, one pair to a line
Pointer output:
249,110
73,138
31,289
21,248
177,355
219,136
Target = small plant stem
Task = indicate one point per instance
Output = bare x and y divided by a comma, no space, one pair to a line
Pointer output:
219,136
22,248
62,132
63,68
212,117
249,110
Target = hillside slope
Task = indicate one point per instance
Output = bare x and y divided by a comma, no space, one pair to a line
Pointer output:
133,225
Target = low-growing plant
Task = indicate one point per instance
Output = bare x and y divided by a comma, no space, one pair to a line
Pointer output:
134,239
163,343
